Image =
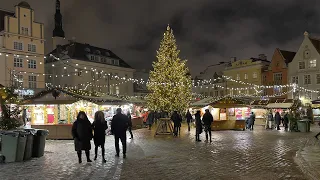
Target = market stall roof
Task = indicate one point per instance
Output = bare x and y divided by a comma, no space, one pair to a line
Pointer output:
203,102
66,97
282,103
229,102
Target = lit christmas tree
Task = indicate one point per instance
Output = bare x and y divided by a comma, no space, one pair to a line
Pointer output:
169,83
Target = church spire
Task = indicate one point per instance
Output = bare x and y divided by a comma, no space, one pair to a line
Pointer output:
58,31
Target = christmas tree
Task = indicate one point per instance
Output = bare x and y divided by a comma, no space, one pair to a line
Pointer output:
169,82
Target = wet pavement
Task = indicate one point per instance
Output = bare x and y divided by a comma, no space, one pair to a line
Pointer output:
240,155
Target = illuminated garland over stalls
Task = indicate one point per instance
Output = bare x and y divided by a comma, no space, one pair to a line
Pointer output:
169,69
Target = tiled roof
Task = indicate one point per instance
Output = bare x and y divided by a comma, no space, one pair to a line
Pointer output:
82,51
287,55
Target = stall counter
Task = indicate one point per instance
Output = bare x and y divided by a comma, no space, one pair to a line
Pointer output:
228,125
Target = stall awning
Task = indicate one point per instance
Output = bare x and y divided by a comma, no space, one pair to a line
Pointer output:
279,105
203,102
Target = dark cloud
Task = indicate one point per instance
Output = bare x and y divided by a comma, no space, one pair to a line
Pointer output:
207,31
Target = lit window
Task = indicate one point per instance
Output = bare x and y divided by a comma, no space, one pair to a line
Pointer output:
307,79
238,76
255,75
245,76
32,82
302,65
18,62
32,64
313,63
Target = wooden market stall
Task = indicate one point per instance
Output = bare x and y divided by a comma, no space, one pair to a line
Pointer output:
316,110
229,113
56,110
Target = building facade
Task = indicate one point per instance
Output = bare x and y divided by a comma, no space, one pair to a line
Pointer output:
304,70
21,49
140,86
243,73
82,66
277,74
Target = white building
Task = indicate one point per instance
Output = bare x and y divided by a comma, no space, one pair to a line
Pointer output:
304,70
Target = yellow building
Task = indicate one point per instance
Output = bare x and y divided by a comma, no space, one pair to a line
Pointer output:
244,72
21,49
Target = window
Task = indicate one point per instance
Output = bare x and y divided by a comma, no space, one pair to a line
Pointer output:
277,90
318,79
245,76
115,62
313,63
32,82
264,78
221,92
318,93
254,75
307,79
17,46
216,93
25,31
96,58
295,80
79,73
18,81
238,76
247,91
308,95
103,60
32,48
277,78
17,62
32,64
109,61
92,58
302,65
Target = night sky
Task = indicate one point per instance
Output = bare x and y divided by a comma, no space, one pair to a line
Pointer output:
207,31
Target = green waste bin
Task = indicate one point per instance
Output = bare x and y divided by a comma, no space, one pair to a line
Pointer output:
304,125
9,145
22,141
29,144
39,142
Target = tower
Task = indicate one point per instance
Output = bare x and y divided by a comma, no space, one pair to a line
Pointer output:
58,37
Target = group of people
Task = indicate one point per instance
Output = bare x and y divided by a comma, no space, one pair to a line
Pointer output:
277,120
205,123
83,132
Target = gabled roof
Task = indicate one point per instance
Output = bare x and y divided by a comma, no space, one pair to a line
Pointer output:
80,51
316,43
287,55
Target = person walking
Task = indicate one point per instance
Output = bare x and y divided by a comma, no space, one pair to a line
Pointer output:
207,121
286,121
99,127
198,126
189,118
129,124
277,118
175,117
150,119
270,120
119,126
82,135
252,120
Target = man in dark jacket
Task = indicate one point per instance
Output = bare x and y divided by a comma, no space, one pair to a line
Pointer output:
119,126
175,117
189,118
207,121
150,119
277,118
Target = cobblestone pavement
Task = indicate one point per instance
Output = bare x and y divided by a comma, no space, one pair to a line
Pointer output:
240,155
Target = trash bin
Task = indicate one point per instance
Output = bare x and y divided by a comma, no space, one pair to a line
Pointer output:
39,142
22,141
304,125
29,144
9,145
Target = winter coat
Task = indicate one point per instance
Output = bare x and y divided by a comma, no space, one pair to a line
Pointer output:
207,119
176,118
198,124
150,118
252,119
119,124
188,117
286,119
270,117
99,129
82,134
129,121
277,118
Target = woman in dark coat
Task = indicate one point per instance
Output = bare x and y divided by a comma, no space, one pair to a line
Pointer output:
189,118
150,119
99,127
198,126
130,124
277,118
82,135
